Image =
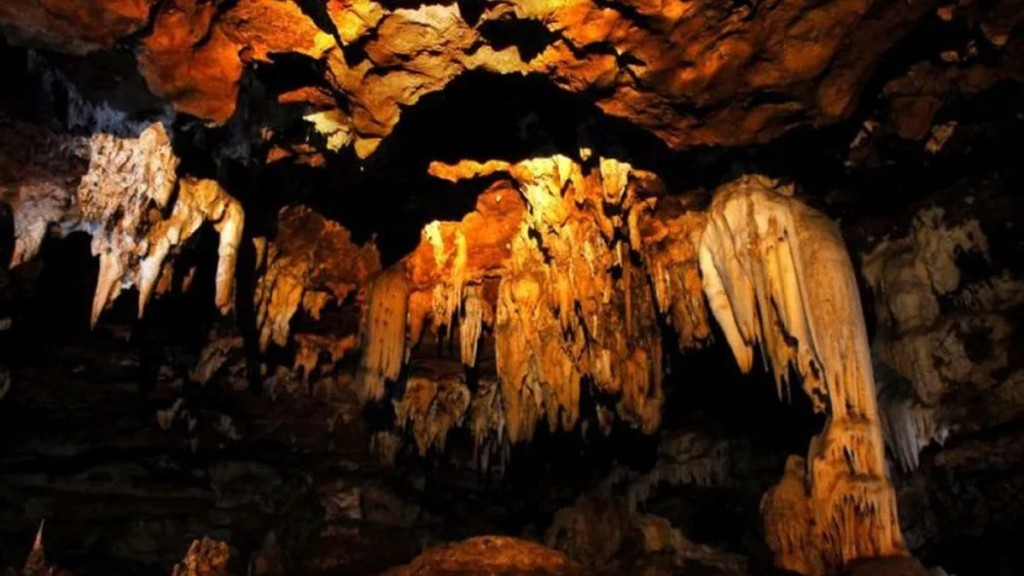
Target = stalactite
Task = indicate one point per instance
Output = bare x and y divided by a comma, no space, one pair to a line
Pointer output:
129,181
571,304
908,427
384,334
488,426
777,275
35,206
217,352
312,262
471,324
433,403
311,348
670,240
907,424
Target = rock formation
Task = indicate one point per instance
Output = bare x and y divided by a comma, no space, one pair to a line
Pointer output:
777,275
464,259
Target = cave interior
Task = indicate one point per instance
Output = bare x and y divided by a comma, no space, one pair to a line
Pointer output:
608,287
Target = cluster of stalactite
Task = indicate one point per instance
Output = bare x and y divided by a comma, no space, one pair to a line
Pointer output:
311,263
138,211
599,258
562,294
555,288
129,182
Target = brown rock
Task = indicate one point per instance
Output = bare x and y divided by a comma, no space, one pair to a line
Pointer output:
191,62
75,26
490,555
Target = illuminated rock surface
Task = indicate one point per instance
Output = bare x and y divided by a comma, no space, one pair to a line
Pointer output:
298,287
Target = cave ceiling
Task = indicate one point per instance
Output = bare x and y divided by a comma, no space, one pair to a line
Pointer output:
691,73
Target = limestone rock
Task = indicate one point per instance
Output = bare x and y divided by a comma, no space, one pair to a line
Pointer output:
71,25
130,180
778,275
311,263
205,557
489,555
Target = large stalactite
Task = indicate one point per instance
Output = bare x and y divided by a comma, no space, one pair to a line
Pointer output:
778,276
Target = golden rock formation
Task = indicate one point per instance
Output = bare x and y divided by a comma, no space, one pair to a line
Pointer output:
670,240
778,276
129,181
572,304
691,73
384,334
311,263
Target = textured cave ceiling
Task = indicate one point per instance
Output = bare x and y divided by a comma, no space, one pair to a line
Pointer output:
513,253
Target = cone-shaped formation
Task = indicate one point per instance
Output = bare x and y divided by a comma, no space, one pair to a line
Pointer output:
129,182
572,305
777,275
384,334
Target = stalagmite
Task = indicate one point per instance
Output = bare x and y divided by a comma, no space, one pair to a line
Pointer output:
383,334
777,275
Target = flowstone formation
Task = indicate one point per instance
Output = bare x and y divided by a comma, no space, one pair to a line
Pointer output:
777,275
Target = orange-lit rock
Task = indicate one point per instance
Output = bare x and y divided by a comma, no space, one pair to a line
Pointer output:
670,240
191,62
312,262
205,557
75,26
195,54
692,73
489,555
562,314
